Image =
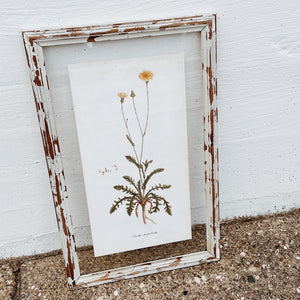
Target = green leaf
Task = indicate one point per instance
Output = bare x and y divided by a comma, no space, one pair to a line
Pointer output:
147,163
133,161
160,201
116,204
130,140
166,204
158,187
155,196
155,208
131,181
113,209
125,189
168,208
130,206
150,175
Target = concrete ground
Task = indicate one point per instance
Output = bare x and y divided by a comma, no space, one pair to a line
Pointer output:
260,259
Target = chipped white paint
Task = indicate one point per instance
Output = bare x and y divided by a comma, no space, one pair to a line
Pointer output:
258,91
187,260
35,43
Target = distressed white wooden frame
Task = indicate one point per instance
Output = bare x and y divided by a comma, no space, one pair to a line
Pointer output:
34,41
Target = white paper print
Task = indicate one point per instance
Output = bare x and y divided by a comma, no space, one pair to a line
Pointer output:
131,122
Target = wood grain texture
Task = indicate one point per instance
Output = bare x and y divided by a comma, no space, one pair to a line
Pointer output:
258,91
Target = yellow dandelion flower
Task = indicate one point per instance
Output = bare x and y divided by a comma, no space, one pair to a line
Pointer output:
146,76
122,96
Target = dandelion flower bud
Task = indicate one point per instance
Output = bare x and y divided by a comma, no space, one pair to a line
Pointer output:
122,96
132,94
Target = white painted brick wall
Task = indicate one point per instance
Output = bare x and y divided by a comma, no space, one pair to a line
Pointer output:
259,108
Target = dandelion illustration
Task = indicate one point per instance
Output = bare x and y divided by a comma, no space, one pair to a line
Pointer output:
137,195
122,96
146,76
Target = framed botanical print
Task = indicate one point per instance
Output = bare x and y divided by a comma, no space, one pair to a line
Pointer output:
128,119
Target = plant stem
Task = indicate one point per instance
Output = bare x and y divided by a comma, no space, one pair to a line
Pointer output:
147,107
144,214
146,125
137,118
126,125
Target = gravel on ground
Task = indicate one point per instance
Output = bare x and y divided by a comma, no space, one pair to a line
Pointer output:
260,259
